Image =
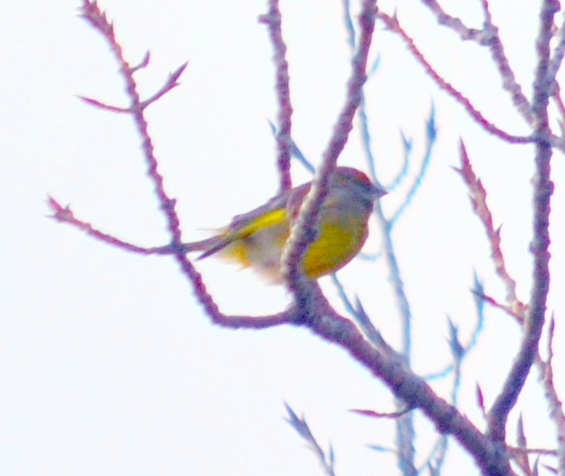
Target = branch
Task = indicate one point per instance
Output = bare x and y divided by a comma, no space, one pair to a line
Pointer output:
558,54
543,189
302,428
171,83
304,228
93,15
481,209
482,37
65,215
414,392
97,18
284,142
556,413
393,25
488,36
501,61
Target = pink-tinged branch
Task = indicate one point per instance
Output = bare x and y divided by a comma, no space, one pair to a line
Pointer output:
509,82
483,37
65,215
282,87
539,451
172,82
478,197
304,230
481,400
101,105
97,18
494,303
224,320
543,189
393,25
490,456
373,414
144,62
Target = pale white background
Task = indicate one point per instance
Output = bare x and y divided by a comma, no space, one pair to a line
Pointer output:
107,364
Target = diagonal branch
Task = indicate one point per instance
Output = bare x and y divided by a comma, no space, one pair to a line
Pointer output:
488,36
543,189
393,25
478,200
509,82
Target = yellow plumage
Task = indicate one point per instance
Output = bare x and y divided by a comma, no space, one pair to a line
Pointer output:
257,238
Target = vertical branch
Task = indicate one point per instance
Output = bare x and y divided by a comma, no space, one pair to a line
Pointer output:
404,425
543,188
282,87
304,229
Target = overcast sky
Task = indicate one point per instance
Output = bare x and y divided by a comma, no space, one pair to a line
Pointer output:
107,364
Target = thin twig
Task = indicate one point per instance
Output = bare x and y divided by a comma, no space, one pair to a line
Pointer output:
558,54
494,303
390,415
302,428
556,413
65,215
171,83
478,200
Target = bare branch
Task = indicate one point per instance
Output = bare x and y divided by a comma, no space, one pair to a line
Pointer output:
483,37
391,415
556,413
543,189
478,201
304,229
284,141
101,105
488,36
493,302
393,25
98,19
302,428
171,83
509,82
65,215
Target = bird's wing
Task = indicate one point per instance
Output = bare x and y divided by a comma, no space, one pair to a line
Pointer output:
244,225
277,209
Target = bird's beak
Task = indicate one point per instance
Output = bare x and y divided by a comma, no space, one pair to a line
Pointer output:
379,191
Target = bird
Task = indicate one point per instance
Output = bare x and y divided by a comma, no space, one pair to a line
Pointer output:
256,239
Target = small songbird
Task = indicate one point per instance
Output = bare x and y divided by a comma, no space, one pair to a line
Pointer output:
256,238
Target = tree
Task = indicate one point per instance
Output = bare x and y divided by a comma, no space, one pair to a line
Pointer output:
491,449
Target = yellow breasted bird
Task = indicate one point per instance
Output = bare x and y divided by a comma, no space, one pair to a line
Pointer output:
257,238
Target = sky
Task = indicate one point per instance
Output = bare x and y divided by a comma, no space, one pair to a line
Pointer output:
108,366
